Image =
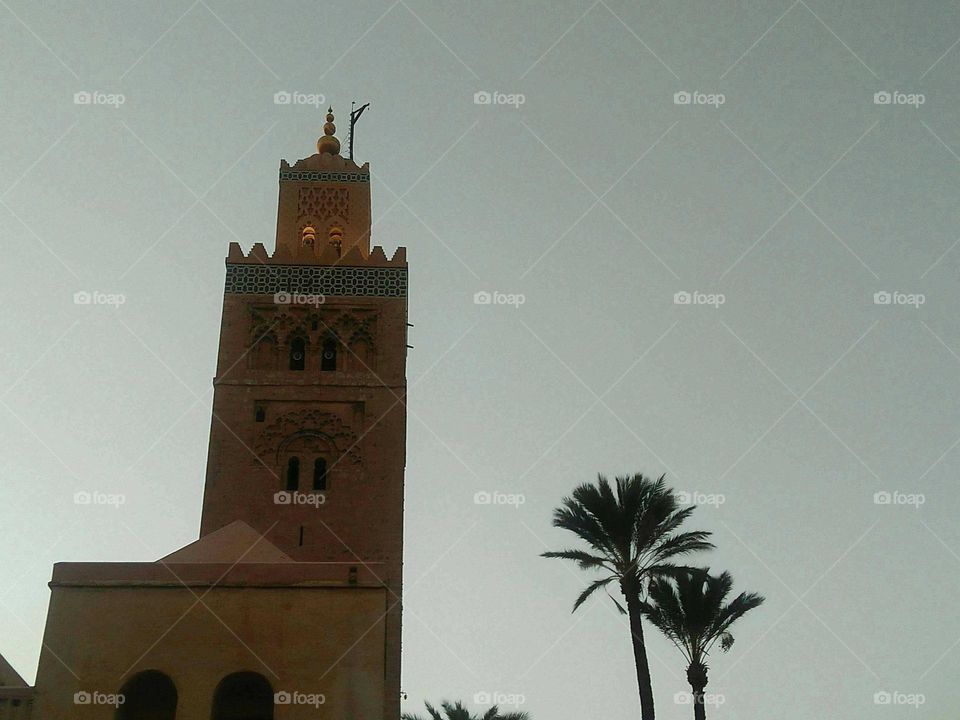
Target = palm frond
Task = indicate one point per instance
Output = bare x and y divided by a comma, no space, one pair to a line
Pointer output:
584,560
592,588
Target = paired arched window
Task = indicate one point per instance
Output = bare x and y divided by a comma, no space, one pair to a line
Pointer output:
319,474
293,474
328,360
298,353
149,695
243,696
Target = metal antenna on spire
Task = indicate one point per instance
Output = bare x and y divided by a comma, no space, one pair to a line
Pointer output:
354,116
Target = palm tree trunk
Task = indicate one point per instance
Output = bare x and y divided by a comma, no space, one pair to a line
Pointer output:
697,677
632,596
699,709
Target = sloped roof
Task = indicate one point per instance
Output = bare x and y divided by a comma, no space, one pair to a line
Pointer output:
233,543
8,676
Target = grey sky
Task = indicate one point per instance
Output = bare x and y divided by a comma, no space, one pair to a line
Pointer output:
598,199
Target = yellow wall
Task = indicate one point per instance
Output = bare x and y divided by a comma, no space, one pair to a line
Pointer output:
319,640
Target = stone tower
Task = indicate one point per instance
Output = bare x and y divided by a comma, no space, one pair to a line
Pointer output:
289,602
307,442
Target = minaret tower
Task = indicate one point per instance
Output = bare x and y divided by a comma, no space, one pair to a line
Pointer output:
307,442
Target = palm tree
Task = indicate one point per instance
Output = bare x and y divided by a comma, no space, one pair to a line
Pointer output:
691,611
632,535
459,712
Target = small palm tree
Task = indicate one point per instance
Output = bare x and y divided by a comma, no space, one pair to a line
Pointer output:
459,712
693,613
632,535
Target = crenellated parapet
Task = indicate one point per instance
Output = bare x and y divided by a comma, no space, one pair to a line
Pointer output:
326,255
351,275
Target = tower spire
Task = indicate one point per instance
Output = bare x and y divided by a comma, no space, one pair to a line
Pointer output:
328,143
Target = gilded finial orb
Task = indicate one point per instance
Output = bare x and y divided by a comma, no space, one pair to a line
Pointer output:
327,142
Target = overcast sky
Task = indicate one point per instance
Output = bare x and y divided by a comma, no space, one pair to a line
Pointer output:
783,197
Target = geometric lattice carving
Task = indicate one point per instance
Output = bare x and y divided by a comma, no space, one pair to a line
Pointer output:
316,280
322,176
324,202
307,423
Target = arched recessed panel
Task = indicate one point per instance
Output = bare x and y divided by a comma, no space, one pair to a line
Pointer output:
149,695
243,696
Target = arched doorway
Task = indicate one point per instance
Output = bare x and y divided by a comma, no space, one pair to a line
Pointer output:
243,696
149,695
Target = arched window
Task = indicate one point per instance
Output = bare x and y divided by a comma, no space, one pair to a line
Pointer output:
319,474
243,696
293,474
149,695
328,361
298,353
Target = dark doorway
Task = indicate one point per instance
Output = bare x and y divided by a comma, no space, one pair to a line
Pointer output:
149,695
243,696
